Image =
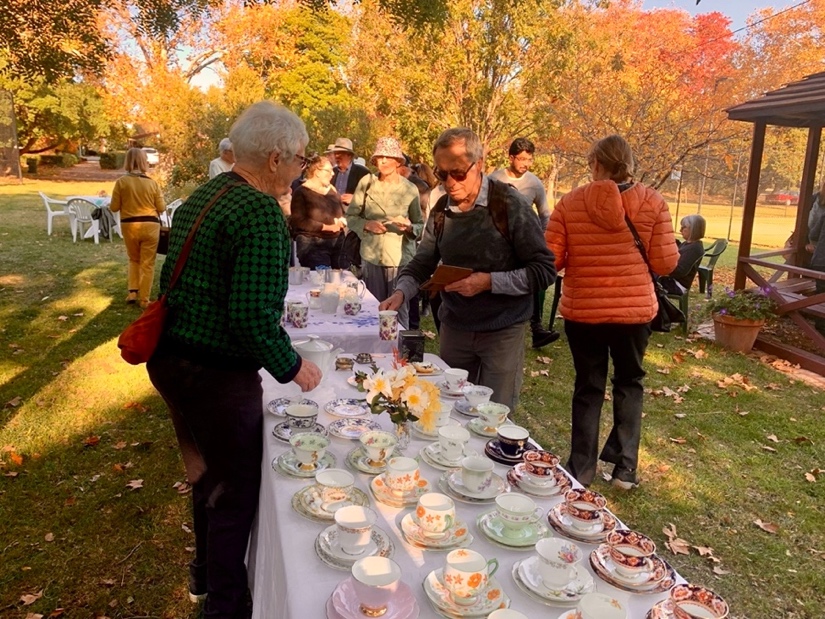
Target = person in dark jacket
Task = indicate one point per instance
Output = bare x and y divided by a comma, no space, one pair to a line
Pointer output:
691,252
347,174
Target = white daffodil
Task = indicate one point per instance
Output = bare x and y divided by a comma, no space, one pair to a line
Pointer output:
378,383
416,398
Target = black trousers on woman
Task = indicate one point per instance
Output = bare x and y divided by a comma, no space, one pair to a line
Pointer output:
591,346
218,420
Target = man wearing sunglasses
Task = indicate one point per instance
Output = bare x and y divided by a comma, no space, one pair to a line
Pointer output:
487,226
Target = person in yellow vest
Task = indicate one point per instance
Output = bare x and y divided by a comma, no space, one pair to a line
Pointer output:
140,202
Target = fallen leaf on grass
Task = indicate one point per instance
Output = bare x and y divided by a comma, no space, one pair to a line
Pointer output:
31,598
34,616
704,551
120,445
772,438
680,415
813,475
768,527
678,441
183,487
736,380
91,441
15,401
63,318
719,571
16,458
429,335
773,387
678,546
768,448
545,360
135,484
107,582
140,407
678,358
802,440
57,612
663,371
49,537
186,528
11,474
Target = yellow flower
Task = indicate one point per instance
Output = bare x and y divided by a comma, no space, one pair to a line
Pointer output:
415,399
378,383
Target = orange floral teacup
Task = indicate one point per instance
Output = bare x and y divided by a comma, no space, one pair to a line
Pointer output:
466,573
434,514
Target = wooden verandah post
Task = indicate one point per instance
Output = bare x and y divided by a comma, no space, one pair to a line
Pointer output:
751,194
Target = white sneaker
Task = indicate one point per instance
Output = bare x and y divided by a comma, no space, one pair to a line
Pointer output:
197,598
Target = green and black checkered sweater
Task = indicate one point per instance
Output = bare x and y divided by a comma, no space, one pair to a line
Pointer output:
225,310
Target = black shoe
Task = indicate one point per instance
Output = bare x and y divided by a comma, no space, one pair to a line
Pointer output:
543,338
624,478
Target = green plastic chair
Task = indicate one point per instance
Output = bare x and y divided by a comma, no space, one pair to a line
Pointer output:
706,271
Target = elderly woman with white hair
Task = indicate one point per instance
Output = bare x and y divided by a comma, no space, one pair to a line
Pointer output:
224,325
226,160
691,252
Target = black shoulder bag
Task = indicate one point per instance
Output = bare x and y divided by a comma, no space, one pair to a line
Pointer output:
668,313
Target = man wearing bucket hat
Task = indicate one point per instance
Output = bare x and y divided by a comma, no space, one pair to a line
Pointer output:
385,213
487,226
346,174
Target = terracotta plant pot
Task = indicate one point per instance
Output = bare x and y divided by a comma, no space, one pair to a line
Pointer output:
736,334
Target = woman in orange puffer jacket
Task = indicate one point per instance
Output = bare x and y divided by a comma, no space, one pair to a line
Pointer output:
608,301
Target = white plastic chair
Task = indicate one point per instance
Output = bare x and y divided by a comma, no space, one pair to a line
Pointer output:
170,211
51,214
80,213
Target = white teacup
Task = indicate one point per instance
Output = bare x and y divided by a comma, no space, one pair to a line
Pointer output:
476,473
557,561
516,511
354,525
402,474
493,414
601,606
455,379
309,448
451,442
336,486
375,580
378,445
476,394
443,415
466,574
434,514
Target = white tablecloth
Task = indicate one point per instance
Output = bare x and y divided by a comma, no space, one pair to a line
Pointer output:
290,582
353,334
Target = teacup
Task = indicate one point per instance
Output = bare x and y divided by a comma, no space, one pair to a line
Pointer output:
585,508
492,414
630,552
309,448
512,440
695,602
506,613
354,526
476,473
388,324
455,379
352,306
601,606
301,416
300,315
335,486
451,442
516,511
402,474
476,394
443,415
375,580
540,467
557,561
466,573
378,445
434,514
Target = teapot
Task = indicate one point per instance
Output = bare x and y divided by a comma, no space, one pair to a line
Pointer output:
318,351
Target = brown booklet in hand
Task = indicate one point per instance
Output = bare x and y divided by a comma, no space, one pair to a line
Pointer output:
443,276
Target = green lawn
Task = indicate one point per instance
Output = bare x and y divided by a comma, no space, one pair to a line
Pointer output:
77,425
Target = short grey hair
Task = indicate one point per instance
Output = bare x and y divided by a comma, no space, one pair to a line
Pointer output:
472,144
696,227
264,128
225,145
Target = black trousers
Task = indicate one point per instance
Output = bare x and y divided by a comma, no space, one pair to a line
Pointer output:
218,420
591,345
314,251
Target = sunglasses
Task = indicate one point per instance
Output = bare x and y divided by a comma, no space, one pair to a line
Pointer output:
458,176
304,161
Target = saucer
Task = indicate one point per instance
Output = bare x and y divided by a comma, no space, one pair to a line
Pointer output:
357,459
493,529
344,604
527,577
458,536
659,579
431,454
448,393
352,428
442,600
518,480
476,426
278,406
561,522
347,407
382,492
493,451
288,463
426,369
353,383
283,431
463,407
661,610
431,436
328,548
307,502
451,484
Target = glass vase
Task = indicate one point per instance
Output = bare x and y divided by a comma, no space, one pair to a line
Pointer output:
402,433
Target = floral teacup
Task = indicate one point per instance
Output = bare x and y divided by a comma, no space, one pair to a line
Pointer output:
466,574
434,514
378,445
388,324
309,448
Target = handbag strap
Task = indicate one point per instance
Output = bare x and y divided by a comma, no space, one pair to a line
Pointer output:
190,238
641,248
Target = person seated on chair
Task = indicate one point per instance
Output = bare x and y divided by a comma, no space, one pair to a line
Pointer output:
691,251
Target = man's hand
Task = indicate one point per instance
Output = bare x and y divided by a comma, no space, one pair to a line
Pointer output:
376,227
308,376
392,302
346,198
471,285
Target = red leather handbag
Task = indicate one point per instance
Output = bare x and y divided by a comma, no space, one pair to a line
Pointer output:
139,340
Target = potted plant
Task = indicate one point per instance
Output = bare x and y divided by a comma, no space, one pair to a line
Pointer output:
738,315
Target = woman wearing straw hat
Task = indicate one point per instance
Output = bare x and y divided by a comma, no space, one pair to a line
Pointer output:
386,214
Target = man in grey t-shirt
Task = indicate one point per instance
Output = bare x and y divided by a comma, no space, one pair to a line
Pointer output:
530,186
